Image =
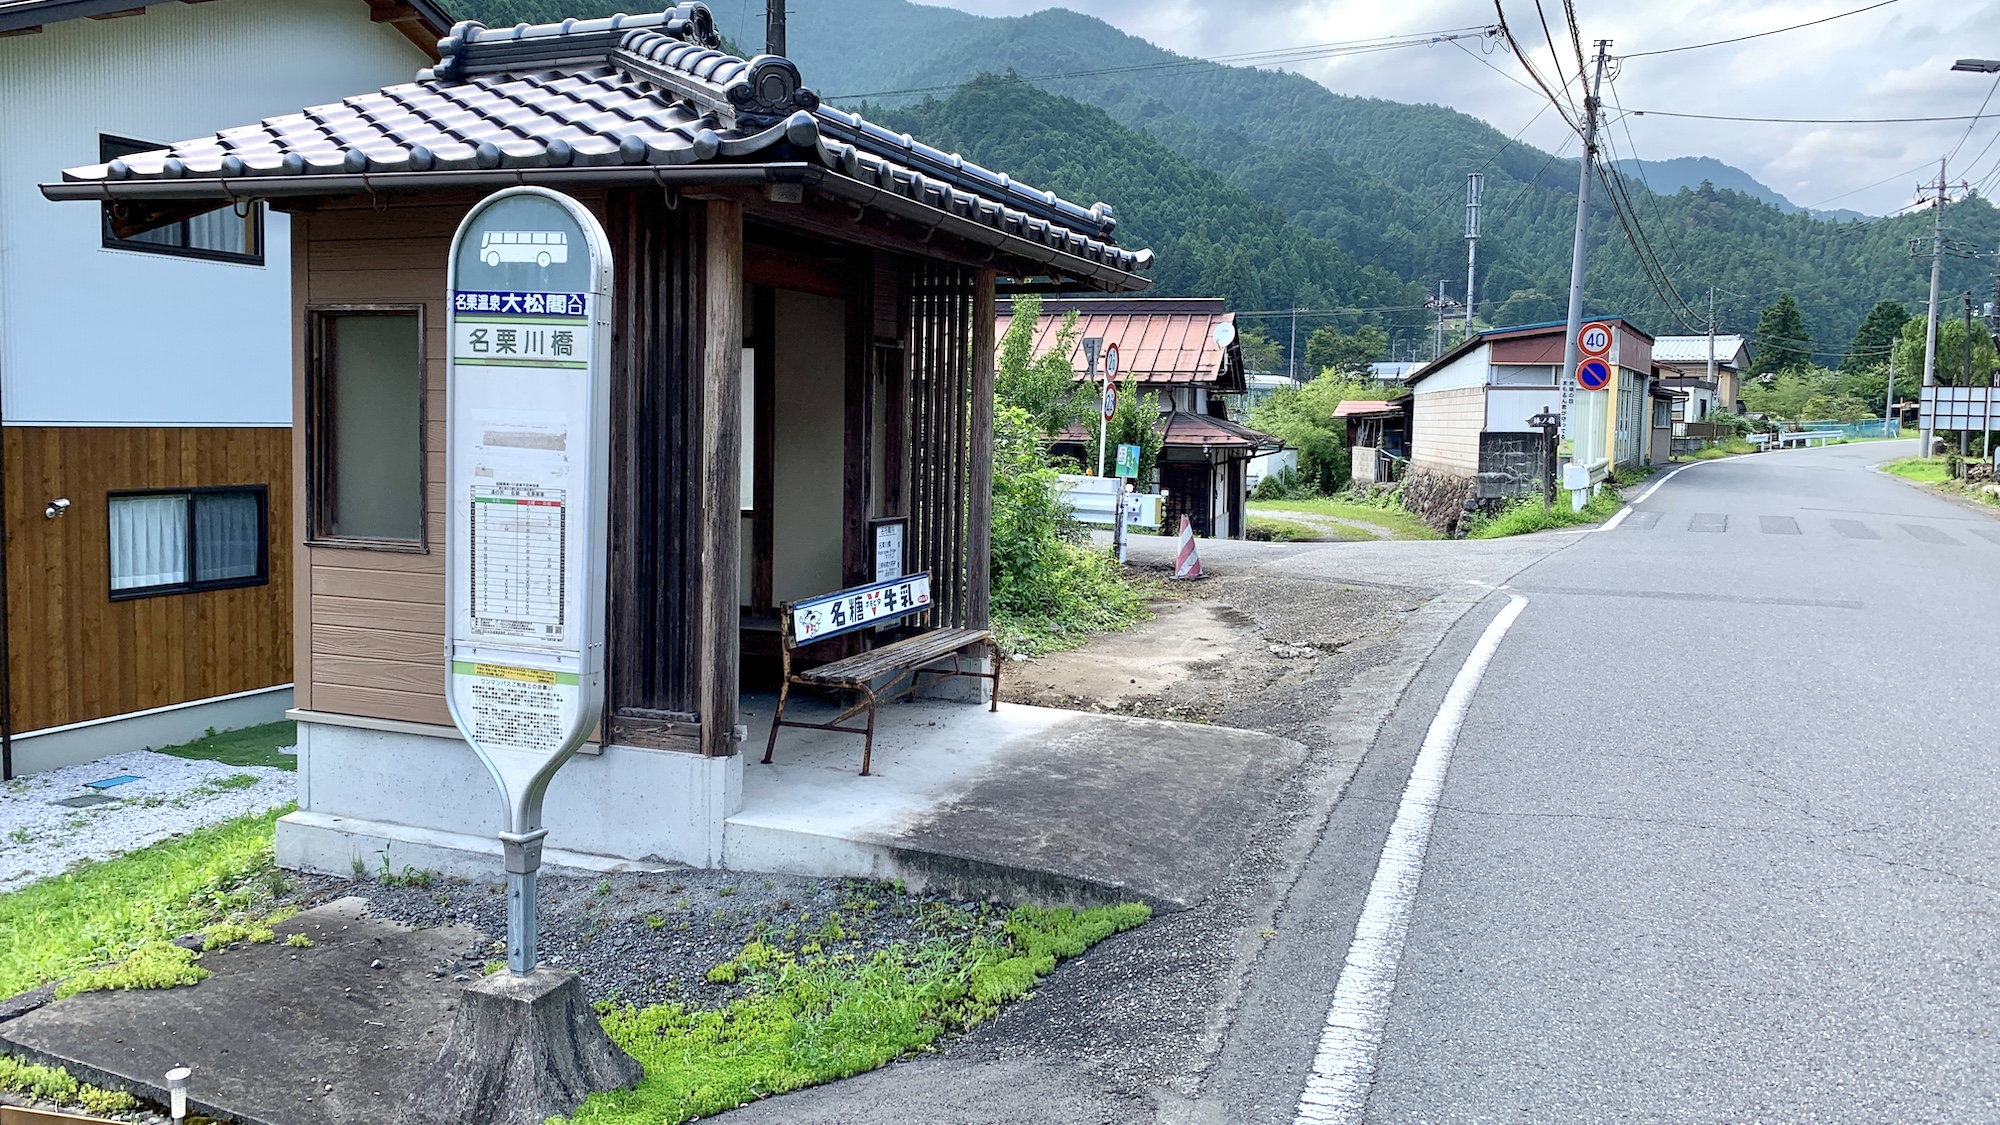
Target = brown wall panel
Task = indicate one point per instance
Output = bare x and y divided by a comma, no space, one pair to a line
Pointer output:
80,655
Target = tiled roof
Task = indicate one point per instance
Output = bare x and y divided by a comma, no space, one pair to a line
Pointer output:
1161,340
1184,429
622,99
21,15
1694,349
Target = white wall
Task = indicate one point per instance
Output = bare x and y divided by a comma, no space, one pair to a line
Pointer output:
1509,408
1468,370
809,445
90,336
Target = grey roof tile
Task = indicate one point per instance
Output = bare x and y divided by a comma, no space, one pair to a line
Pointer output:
624,90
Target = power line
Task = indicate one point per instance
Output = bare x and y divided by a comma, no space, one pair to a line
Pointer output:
1241,58
1802,120
1758,35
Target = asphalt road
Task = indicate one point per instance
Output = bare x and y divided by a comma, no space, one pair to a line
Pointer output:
1717,843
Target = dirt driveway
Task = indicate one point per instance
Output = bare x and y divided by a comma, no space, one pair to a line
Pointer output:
1239,650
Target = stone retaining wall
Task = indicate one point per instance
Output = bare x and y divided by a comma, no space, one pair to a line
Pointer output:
1437,498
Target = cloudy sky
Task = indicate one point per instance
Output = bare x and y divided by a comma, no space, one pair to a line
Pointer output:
1894,61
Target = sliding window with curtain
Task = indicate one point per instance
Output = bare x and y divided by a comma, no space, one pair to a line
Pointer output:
182,542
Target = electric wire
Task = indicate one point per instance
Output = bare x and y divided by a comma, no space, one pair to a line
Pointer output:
1801,120
1757,35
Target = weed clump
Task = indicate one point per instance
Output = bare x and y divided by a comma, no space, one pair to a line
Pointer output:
156,964
54,1084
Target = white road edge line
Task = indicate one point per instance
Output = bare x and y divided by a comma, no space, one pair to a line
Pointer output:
1344,1068
1612,523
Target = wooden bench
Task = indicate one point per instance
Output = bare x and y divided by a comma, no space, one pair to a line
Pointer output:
861,607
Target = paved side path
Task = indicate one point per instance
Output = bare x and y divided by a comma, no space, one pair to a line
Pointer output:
1719,839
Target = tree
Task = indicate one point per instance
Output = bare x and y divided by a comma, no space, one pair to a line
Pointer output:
1043,386
1261,354
1950,352
1782,340
1303,419
1876,336
1327,349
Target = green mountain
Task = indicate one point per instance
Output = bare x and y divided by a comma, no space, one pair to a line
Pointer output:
1357,193
1692,171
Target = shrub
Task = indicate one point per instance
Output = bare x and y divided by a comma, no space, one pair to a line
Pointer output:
1286,484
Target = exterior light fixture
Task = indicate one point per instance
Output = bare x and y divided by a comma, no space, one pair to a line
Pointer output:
1978,66
177,1091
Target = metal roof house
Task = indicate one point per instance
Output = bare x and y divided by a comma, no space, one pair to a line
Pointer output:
1170,346
146,376
1471,405
803,318
1691,355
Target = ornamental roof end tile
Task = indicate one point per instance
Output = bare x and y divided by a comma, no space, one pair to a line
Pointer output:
634,91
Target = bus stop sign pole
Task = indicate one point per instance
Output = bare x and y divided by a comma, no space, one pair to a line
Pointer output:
527,461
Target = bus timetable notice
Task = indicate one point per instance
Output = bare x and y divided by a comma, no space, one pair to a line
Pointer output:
518,547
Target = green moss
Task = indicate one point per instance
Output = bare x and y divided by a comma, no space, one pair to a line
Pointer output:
809,1017
299,941
100,912
229,933
54,1084
156,964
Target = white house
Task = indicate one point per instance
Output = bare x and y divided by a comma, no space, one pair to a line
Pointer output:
1690,354
145,381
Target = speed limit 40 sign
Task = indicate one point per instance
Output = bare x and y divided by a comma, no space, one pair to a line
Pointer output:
1594,339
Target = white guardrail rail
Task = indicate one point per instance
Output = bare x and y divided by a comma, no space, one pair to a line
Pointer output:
1091,498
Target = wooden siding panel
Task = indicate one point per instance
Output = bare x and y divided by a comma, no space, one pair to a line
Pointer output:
376,613
80,655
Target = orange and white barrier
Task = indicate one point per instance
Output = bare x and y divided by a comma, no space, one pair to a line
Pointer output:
1187,564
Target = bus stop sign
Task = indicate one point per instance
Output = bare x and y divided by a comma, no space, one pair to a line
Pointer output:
526,467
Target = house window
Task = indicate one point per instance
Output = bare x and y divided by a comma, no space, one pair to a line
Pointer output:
226,234
194,539
365,427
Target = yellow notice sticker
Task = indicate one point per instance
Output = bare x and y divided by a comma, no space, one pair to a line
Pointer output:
522,675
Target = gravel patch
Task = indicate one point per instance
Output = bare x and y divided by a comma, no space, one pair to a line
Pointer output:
39,838
652,938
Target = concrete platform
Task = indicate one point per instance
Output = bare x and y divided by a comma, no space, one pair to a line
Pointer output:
1023,804
277,1035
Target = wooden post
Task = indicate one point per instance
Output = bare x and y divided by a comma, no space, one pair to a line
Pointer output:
721,443
764,492
858,353
979,474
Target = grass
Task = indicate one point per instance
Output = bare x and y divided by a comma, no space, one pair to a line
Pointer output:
1525,515
1923,470
1269,529
1730,448
247,746
811,1015
104,911
1396,520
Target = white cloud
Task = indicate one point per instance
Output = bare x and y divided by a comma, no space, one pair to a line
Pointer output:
1892,62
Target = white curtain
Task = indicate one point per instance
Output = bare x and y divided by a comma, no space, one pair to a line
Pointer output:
226,538
221,229
148,541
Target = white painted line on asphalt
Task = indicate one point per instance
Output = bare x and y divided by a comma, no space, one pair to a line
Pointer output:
1614,521
1648,494
1344,1069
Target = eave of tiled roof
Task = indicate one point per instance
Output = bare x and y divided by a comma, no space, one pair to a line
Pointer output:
414,17
618,100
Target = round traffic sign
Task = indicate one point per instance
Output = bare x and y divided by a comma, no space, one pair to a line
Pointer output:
1111,361
1594,339
1110,400
1593,374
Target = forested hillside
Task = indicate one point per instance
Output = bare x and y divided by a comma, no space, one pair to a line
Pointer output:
1373,189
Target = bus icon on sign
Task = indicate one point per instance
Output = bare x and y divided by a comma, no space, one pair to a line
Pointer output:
1594,339
538,246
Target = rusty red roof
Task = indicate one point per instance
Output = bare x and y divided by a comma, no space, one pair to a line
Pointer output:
1161,340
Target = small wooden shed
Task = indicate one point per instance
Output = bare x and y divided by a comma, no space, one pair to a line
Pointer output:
803,344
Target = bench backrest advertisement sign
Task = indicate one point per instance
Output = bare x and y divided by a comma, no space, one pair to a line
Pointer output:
528,408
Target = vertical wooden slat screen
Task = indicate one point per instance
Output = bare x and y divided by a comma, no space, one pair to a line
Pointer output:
653,628
941,354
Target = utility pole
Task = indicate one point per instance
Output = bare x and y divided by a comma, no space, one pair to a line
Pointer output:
1930,326
1580,447
1475,182
1889,397
1441,304
1292,355
774,27
1968,363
